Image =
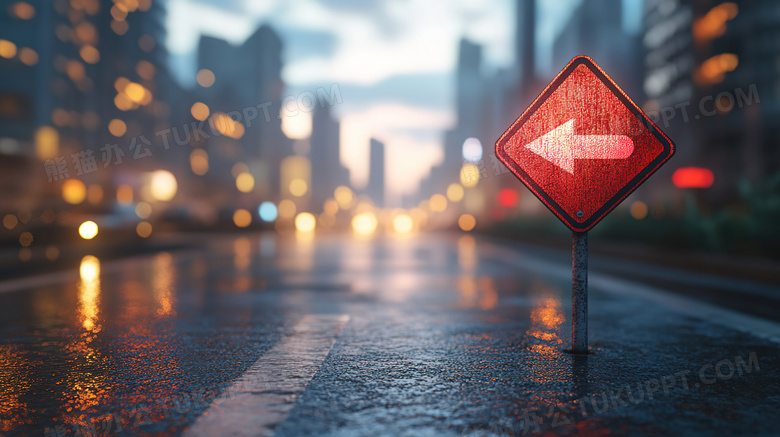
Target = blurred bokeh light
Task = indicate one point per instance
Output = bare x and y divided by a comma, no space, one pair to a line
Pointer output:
88,230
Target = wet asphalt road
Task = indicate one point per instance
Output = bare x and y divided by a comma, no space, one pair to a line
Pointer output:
433,335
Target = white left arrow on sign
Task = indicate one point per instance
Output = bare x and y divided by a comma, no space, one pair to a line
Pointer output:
561,146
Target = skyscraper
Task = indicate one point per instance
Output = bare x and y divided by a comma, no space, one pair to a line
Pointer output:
522,83
716,81
249,76
735,75
667,80
469,119
327,172
376,177
668,52
50,72
525,41
25,103
131,46
67,78
595,29
468,96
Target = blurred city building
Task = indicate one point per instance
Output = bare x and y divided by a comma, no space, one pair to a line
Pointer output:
27,101
524,84
595,29
376,178
327,172
468,121
76,77
486,104
132,88
710,75
244,82
668,81
736,54
668,53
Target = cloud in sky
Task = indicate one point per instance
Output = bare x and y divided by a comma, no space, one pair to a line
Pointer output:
188,19
385,38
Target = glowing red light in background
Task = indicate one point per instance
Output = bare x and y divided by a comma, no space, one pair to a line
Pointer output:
508,197
693,177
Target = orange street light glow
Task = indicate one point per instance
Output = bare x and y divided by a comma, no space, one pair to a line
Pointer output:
28,56
286,208
200,111
403,224
7,49
89,269
713,23
305,222
330,207
297,126
89,54
298,187
455,192
23,10
144,229
638,210
10,221
74,191
205,78
344,197
199,162
364,223
143,210
135,92
94,194
469,175
88,230
438,203
47,142
467,222
226,125
117,127
245,182
242,218
124,194
163,185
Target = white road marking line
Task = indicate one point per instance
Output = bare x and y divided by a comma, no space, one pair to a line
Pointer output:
263,396
681,304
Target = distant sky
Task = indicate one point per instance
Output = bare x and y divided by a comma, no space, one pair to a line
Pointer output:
393,61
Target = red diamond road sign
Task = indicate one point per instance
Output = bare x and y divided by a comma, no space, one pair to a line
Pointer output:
583,146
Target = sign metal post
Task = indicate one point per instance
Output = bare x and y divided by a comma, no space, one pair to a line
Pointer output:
579,293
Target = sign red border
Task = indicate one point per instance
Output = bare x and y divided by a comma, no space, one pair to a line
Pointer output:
609,205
